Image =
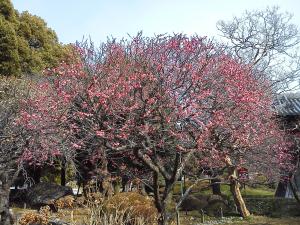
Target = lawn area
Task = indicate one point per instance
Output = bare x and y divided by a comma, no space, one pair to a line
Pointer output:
263,220
204,188
193,219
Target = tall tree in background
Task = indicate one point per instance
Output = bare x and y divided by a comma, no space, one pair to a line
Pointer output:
9,57
38,45
27,44
268,40
7,11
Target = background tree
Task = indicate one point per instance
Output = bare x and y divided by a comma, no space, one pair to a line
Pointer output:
38,45
12,139
269,41
27,44
9,57
7,11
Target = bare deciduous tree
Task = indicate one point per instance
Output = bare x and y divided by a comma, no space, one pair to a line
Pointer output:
11,140
267,40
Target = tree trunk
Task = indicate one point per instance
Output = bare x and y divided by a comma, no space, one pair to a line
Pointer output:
117,185
281,189
216,187
162,219
170,179
238,199
162,201
294,191
6,217
63,172
235,189
107,186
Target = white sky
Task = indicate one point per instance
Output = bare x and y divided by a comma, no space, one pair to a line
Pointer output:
99,19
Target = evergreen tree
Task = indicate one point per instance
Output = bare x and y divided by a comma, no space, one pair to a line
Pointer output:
7,11
27,44
9,57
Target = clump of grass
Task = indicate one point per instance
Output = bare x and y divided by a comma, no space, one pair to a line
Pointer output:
122,209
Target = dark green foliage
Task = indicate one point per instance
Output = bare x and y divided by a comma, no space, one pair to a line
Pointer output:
9,57
27,44
7,11
39,46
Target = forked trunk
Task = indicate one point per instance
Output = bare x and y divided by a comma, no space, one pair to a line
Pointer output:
161,200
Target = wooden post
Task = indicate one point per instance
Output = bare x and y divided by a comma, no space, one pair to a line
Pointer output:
202,216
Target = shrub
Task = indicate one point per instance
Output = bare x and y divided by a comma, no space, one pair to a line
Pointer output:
64,202
41,218
138,205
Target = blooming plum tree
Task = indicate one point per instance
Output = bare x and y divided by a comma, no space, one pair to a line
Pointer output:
155,101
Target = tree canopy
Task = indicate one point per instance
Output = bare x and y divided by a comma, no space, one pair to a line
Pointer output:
158,101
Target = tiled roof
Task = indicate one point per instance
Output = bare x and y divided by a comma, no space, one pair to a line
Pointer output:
287,104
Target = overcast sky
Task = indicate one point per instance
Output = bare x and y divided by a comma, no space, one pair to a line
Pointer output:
73,19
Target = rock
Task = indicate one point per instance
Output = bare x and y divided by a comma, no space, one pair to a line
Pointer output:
215,203
17,195
215,197
45,193
58,222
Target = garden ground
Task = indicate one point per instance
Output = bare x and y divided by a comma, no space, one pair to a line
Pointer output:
75,217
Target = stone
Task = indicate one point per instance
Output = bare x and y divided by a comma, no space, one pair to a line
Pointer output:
46,193
216,198
58,222
215,203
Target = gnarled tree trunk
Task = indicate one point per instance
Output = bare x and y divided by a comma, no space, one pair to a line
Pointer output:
235,189
6,216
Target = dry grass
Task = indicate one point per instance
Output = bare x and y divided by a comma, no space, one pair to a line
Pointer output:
85,216
42,217
121,209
